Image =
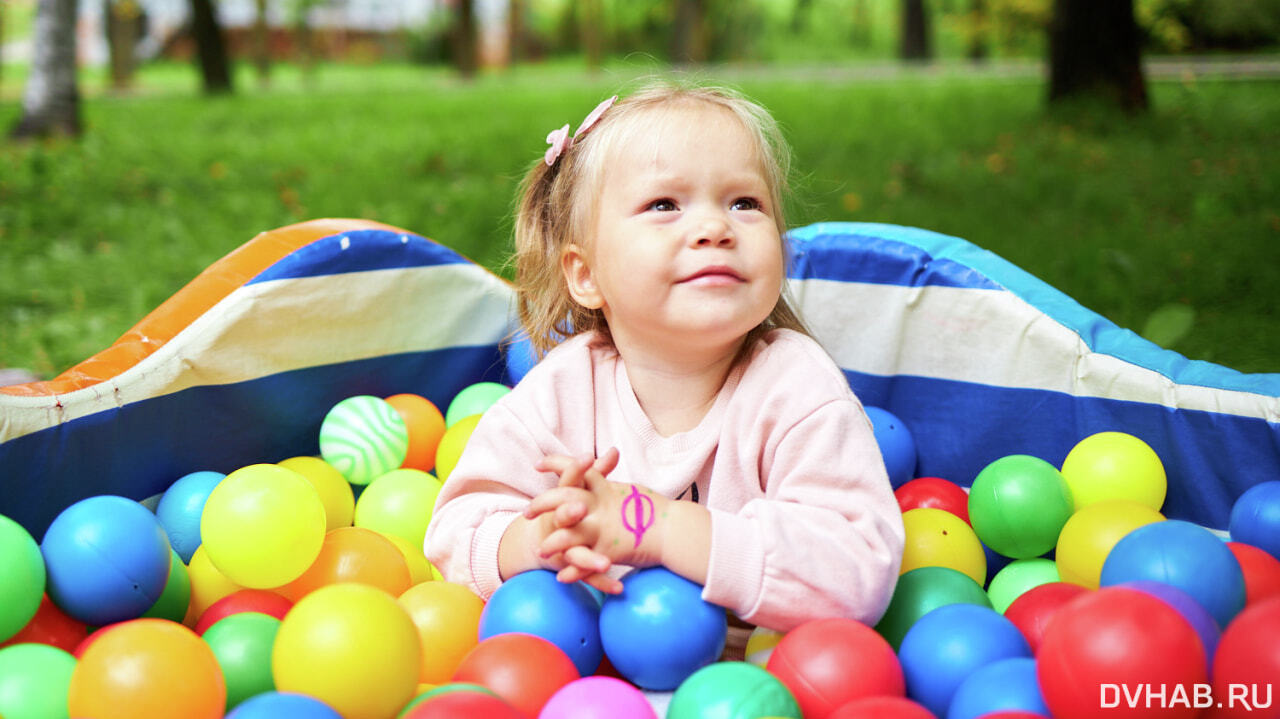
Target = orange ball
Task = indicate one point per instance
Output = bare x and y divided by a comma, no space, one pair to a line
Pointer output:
522,669
448,620
426,427
353,554
147,669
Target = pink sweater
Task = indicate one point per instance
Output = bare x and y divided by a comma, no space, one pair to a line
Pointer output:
803,520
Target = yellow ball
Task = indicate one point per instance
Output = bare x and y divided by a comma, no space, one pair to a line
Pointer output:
435,573
1114,465
208,585
447,617
351,646
263,525
419,567
452,443
399,503
938,538
334,489
760,645
1089,535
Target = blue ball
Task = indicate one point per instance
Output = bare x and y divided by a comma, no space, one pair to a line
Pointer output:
180,508
1184,555
896,445
520,357
659,630
108,560
948,644
535,602
273,705
1255,517
1191,610
1003,685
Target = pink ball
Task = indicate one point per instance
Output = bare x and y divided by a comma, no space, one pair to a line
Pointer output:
597,697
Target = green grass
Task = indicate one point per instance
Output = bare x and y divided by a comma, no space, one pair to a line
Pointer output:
1126,215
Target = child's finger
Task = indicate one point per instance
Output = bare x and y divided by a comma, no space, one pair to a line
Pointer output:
559,541
549,500
557,463
604,583
570,513
606,462
586,559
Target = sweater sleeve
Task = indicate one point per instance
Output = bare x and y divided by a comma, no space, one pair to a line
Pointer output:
825,540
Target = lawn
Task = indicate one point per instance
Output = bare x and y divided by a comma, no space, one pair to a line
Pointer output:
1128,215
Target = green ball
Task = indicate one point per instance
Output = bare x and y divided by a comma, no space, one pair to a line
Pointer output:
22,577
445,689
922,590
732,690
1018,504
242,643
34,681
1017,577
474,399
363,437
175,599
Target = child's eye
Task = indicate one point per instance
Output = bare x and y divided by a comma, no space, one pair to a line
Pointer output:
666,204
745,203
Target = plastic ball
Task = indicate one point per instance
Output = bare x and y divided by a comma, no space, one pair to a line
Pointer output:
1255,517
1114,465
426,426
933,493
881,708
938,538
107,559
1016,578
263,525
414,559
399,503
1195,615
1261,572
451,445
829,662
1184,555
22,577
363,437
760,645
351,646
948,644
208,585
733,690
659,630
150,668
1091,533
242,644
353,554
520,356
1117,637
1032,612
1018,504
34,679
922,590
51,626
180,508
536,603
597,698
1003,685
447,618
474,399
1246,665
522,669
260,601
433,691
175,598
897,446
463,703
274,705
333,489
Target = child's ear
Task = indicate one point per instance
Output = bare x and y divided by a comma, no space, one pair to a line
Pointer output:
580,280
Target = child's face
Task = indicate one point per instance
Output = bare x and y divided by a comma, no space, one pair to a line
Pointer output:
684,251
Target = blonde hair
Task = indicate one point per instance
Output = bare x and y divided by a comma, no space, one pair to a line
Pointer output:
557,203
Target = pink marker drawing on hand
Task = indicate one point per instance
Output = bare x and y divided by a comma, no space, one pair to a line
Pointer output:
639,507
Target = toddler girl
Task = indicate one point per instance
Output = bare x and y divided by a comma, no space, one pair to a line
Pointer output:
686,419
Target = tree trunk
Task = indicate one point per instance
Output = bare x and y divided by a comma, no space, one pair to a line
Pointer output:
464,39
1095,51
689,35
2,7
592,32
51,98
210,47
916,43
515,32
262,44
860,34
977,30
800,16
122,18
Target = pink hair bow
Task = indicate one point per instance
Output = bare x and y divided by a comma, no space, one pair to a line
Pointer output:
560,140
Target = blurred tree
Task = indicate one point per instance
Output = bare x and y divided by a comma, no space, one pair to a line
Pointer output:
515,31
1095,51
800,16
124,25
261,43
978,23
463,36
860,35
211,48
304,39
689,32
591,26
917,44
51,98
2,7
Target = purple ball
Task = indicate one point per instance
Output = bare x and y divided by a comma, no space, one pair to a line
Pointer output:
1194,612
597,697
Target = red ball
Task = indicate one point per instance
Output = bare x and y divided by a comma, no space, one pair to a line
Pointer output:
244,600
1033,609
50,626
522,669
94,636
1261,572
1126,640
452,705
881,708
1246,665
1011,714
934,493
827,663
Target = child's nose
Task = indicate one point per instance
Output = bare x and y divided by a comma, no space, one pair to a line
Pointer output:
713,231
